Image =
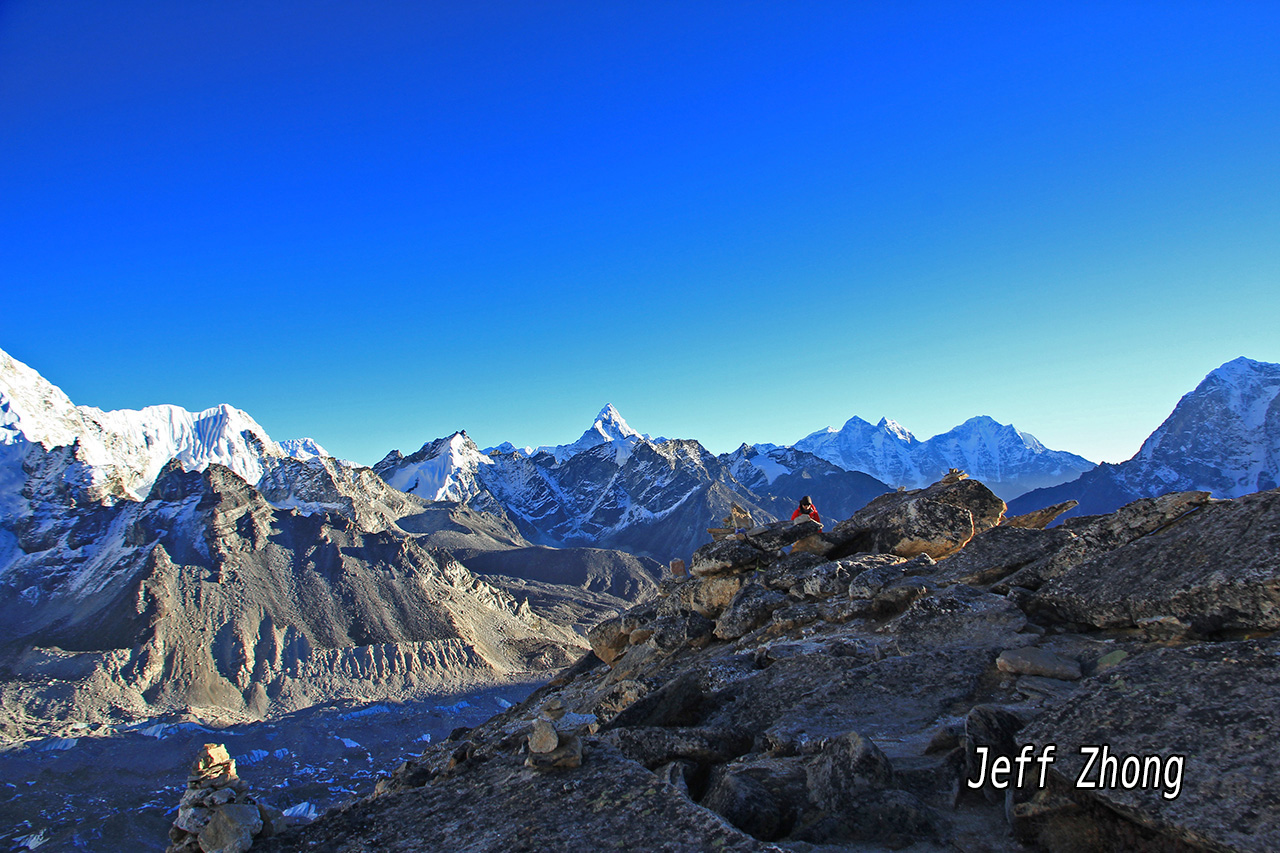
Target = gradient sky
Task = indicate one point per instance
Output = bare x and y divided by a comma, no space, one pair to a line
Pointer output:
377,223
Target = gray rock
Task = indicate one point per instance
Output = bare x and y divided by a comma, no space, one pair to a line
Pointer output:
896,596
960,616
993,728
890,819
654,746
795,616
543,737
1213,704
1040,518
750,608
937,521
725,556
1035,661
231,829
608,640
713,594
747,804
1217,569
779,534
566,756
846,767
1098,534
677,631
998,553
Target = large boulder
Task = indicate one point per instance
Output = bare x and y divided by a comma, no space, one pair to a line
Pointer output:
960,616
750,608
998,553
1215,570
936,521
727,556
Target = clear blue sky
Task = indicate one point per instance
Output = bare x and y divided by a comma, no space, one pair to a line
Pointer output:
377,223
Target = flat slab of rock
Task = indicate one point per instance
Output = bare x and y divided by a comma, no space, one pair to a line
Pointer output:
960,616
998,553
725,556
1040,518
1214,704
1217,569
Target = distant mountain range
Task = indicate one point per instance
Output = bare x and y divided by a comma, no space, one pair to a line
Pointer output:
1006,459
108,520
1223,437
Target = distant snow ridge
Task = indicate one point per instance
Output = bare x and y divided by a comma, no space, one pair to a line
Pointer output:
119,454
1008,460
303,448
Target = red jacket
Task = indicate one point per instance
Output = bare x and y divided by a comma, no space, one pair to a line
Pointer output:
813,513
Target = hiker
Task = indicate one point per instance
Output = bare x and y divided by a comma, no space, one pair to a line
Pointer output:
806,508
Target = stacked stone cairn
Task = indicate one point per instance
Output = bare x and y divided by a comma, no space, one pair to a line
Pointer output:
554,739
216,814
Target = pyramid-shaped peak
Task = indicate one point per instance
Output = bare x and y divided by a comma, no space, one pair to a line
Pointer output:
897,429
610,423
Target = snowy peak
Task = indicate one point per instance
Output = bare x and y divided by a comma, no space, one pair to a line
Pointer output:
1222,437
442,470
896,429
610,424
609,427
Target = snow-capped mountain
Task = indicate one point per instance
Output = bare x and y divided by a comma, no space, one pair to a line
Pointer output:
1223,437
886,450
447,469
118,455
1007,459
608,428
168,559
620,489
787,474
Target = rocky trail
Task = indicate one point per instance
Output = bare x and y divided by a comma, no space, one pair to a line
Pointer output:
883,685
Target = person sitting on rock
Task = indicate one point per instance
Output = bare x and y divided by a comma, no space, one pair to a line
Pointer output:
806,508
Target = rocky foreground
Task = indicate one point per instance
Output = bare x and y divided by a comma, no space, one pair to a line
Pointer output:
884,685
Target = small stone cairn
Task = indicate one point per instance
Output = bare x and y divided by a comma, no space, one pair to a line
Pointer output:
216,814
553,742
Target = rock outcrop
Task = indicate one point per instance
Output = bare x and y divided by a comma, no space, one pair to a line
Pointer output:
882,701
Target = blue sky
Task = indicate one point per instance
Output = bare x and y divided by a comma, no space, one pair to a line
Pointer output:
735,221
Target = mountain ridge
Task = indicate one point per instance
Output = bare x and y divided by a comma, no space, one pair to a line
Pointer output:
1222,437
